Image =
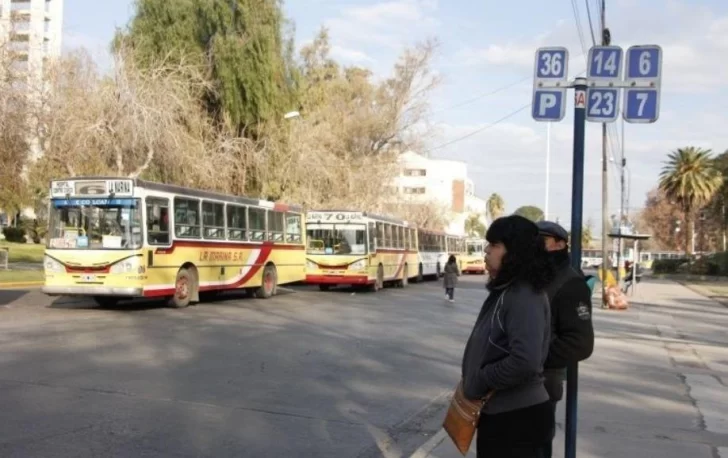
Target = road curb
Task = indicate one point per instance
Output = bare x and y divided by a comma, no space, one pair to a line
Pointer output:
430,445
20,284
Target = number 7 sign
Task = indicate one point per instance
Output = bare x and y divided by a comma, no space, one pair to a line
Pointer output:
641,105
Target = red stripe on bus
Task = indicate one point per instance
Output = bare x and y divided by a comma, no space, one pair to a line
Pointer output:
391,251
259,262
231,245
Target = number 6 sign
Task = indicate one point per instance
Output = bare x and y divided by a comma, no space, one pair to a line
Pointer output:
643,78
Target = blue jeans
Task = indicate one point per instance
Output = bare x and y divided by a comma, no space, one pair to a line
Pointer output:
450,293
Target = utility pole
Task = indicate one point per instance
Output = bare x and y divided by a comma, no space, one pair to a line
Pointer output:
606,267
622,207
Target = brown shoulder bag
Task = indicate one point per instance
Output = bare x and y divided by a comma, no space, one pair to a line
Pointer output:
462,418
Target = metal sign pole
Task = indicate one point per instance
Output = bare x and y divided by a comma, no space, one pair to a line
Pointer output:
577,203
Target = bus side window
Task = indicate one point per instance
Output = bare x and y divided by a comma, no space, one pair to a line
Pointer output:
237,222
157,221
372,237
276,227
256,224
186,218
213,220
293,228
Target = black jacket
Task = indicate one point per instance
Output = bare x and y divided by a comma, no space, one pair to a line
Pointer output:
572,332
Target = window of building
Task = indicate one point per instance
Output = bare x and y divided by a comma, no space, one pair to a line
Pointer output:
237,222
419,190
213,220
415,172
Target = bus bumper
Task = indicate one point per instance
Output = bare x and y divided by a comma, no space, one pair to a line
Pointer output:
338,279
474,269
91,291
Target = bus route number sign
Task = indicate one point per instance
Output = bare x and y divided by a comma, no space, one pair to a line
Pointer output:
334,217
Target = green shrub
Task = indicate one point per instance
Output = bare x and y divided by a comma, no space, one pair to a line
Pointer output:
667,266
14,234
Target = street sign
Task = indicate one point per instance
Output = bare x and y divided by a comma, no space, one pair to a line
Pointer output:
643,78
550,82
549,105
641,105
552,64
605,64
602,104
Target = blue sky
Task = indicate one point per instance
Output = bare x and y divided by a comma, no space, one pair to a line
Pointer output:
487,45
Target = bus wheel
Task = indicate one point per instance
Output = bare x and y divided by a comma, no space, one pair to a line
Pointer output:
183,286
419,274
106,301
405,277
270,282
324,287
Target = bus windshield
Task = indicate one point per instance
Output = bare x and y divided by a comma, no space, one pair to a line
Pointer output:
336,238
475,248
95,224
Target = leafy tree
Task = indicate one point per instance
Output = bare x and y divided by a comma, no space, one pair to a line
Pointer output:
241,42
495,206
474,227
690,178
531,212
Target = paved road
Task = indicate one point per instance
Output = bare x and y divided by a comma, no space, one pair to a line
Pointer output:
305,374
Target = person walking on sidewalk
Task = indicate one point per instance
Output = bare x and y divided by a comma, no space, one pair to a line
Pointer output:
509,343
450,280
572,332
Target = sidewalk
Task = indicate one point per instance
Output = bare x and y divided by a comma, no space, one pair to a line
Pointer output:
657,384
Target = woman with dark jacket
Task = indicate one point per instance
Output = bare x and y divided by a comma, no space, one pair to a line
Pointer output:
452,272
509,343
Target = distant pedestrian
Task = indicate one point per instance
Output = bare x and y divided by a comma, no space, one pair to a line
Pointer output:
452,272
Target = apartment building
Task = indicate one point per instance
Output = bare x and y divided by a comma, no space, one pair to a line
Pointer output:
30,32
446,182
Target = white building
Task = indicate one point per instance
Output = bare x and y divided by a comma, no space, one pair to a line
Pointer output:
445,182
31,30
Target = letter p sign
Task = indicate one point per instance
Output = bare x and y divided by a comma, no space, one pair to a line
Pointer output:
547,101
548,105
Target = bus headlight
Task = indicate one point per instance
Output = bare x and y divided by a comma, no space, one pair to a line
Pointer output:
51,265
125,266
311,265
358,265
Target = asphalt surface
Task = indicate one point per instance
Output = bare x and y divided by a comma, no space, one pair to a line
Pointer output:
304,374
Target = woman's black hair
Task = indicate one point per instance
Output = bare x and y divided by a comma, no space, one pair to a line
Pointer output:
526,258
451,259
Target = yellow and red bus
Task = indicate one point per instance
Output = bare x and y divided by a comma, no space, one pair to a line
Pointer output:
116,238
474,257
357,248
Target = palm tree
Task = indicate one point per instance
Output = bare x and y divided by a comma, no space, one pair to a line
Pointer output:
690,178
495,206
473,226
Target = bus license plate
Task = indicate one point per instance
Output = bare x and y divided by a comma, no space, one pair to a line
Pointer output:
88,277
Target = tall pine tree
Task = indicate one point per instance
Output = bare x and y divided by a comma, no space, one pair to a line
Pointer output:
241,41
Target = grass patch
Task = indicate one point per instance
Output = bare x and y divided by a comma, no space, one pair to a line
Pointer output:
716,290
24,252
20,276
